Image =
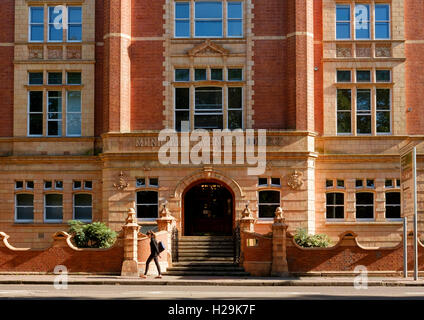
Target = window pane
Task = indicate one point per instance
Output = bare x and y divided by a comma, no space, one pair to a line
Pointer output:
88,184
77,184
55,34
37,33
200,74
269,197
140,182
362,18
383,99
276,181
55,101
383,122
344,99
182,98
335,198
235,10
83,213
75,33
343,30
235,75
343,76
382,12
343,13
37,15
182,74
208,28
206,9
388,183
364,212
393,212
54,213
54,14
74,78
364,124
74,101
363,100
36,101
208,98
83,200
382,75
145,212
154,182
363,76
393,198
147,197
54,78
216,74
24,213
208,122
73,124
36,124
180,118
74,15
19,184
262,181
35,78
235,98
329,183
54,128
344,122
382,30
267,211
365,198
182,10
53,199
182,28
24,199
235,119
235,28
30,184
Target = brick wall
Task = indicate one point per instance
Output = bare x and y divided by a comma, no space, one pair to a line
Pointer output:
318,79
147,65
7,22
100,56
414,15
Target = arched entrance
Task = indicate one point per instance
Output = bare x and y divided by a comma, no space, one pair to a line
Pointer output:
208,209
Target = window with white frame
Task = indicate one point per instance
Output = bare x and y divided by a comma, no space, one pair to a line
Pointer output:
269,201
56,24
36,24
53,207
83,207
209,19
211,110
393,207
335,205
371,102
364,205
363,13
147,205
24,207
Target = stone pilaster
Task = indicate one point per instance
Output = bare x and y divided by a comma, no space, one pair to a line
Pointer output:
130,229
279,246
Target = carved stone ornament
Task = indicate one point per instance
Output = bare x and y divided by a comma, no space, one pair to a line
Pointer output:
165,213
122,184
295,181
132,218
246,213
279,215
208,48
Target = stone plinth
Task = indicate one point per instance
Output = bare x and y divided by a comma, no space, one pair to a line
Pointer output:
166,222
279,247
130,229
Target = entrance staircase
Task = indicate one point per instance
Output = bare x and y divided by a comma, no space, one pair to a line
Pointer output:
206,256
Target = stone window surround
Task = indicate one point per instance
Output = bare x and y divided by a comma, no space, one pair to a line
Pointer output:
371,19
224,20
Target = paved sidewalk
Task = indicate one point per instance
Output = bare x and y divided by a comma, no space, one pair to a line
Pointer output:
204,281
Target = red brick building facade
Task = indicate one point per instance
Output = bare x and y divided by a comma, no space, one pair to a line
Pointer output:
82,107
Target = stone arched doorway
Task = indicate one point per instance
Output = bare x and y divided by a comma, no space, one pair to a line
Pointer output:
208,209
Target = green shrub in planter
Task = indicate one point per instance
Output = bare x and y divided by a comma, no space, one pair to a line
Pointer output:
91,235
303,239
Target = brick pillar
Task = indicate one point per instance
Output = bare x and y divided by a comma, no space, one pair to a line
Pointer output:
131,228
166,222
279,246
247,222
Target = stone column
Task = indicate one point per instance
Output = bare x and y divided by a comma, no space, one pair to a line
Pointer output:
131,228
247,222
166,222
279,255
